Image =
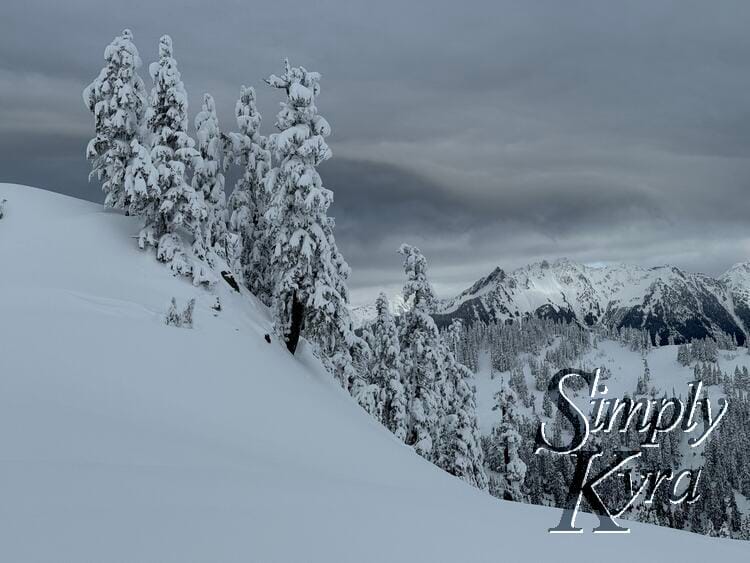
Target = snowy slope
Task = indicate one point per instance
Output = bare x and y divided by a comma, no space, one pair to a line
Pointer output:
664,300
126,440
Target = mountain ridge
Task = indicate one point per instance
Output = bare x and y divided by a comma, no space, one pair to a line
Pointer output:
671,303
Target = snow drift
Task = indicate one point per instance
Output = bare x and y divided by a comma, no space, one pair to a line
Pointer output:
124,439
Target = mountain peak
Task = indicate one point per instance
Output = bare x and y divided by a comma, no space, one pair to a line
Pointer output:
665,300
737,278
743,267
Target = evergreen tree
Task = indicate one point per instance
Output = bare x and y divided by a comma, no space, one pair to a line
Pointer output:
643,381
141,182
208,180
506,434
541,376
683,355
547,405
117,98
310,292
172,151
420,356
744,533
385,369
249,200
461,451
366,389
518,384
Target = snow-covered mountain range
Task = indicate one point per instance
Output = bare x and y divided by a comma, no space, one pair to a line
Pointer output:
665,300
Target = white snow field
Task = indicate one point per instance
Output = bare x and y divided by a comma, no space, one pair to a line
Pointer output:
126,440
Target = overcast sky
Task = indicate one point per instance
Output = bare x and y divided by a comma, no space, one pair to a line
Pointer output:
487,133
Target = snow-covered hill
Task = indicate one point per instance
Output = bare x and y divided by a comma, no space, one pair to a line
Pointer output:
123,439
664,300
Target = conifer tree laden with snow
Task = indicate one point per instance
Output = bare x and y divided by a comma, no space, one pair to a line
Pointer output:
208,180
248,204
365,390
507,440
310,292
141,182
385,370
421,357
117,98
461,450
172,152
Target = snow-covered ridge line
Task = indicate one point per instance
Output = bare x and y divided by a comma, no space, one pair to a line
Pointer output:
667,301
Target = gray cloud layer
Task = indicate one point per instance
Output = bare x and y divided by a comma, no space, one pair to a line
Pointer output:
486,132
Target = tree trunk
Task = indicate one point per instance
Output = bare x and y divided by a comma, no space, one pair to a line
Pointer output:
298,313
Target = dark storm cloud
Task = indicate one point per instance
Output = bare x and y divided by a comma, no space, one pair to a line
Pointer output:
486,132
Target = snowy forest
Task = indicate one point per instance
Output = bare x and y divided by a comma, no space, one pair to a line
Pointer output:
271,235
525,356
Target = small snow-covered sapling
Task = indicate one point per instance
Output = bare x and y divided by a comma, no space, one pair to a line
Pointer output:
182,319
2,208
187,314
173,317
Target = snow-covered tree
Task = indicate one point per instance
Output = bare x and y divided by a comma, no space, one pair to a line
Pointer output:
461,451
683,355
547,405
506,435
249,200
208,179
173,148
181,207
173,315
310,293
182,318
117,98
385,369
541,376
141,182
517,382
642,386
744,532
421,356
366,389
